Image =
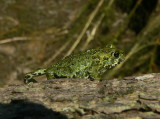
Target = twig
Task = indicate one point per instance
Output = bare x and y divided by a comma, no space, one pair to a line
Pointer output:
93,14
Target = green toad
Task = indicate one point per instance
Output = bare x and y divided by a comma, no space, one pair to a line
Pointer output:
91,64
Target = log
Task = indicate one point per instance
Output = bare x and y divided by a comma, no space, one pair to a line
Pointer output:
129,97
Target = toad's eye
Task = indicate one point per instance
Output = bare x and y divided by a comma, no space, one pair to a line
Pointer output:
116,54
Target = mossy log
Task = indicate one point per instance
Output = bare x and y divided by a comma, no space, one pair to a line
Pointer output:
130,97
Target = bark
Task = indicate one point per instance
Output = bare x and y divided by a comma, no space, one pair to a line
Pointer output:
130,97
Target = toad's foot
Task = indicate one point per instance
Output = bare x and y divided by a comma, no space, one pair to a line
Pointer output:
28,79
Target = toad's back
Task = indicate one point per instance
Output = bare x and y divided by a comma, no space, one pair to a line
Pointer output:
75,65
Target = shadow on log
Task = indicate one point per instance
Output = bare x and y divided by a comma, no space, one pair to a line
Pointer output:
21,109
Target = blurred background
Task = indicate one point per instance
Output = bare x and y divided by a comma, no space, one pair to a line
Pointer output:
38,33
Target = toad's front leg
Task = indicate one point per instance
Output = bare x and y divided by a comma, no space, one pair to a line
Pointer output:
29,76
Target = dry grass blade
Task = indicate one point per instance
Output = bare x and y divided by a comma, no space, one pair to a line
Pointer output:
93,32
140,45
57,53
124,26
14,39
91,17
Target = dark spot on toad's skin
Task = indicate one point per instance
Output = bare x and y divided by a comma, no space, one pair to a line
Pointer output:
39,73
94,57
27,76
105,58
34,73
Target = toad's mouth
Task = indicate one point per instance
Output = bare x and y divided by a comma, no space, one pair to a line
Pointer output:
111,66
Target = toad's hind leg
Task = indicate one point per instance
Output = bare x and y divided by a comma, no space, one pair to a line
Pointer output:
29,76
93,74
